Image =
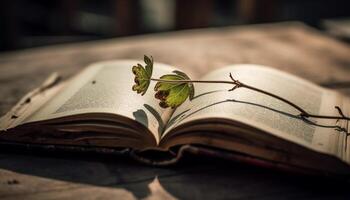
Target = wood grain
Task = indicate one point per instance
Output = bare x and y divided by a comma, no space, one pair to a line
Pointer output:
292,47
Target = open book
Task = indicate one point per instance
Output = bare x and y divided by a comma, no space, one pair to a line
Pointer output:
98,109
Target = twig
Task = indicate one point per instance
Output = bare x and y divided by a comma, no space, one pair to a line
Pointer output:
237,84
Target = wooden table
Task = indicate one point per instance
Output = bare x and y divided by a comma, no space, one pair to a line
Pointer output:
292,47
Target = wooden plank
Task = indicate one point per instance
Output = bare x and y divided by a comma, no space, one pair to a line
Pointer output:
47,177
292,47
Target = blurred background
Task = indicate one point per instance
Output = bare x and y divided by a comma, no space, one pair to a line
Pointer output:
32,23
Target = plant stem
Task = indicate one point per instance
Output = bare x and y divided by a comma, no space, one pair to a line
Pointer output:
189,81
238,84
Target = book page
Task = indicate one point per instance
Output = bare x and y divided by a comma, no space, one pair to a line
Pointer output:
106,87
264,112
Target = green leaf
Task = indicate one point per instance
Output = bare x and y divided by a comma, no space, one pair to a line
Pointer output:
173,94
142,75
191,95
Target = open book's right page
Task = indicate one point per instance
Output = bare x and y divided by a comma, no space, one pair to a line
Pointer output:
267,113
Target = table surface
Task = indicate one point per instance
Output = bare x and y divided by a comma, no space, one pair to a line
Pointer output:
292,47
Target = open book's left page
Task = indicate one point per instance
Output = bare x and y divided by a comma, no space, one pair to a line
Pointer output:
105,88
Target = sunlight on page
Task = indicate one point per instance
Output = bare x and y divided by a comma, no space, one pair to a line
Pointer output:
106,88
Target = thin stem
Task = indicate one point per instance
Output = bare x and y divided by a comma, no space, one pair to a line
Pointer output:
189,81
303,113
238,84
